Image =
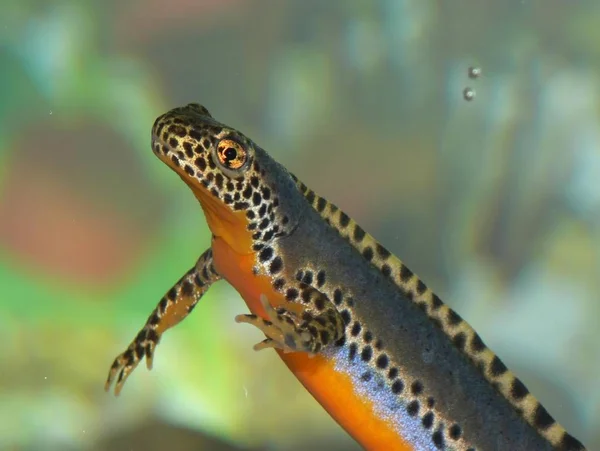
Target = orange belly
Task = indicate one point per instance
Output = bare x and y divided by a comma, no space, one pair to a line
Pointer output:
332,389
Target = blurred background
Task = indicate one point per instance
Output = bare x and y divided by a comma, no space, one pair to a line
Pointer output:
494,202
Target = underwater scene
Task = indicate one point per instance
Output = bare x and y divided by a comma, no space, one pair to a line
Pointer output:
463,135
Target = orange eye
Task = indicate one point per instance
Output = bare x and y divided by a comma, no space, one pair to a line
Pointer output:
231,154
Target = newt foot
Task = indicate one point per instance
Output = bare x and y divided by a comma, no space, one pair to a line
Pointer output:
283,329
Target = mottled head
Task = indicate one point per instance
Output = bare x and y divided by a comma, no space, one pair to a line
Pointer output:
247,197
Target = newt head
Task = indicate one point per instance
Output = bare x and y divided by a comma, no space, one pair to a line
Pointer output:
246,196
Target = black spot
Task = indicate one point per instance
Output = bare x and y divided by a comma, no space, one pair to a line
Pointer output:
325,337
397,386
276,265
416,388
247,193
477,344
189,150
382,252
200,163
382,361
152,335
172,294
366,353
386,270
279,284
413,408
254,181
250,214
438,439
430,402
359,233
263,224
256,199
337,296
344,219
308,277
175,160
266,193
154,320
405,274
518,390
455,432
310,196
187,288
393,373
355,329
195,134
352,351
268,235
262,210
453,318
542,419
436,302
321,204
306,296
320,302
291,294
266,254
346,317
459,340
188,169
241,205
421,287
368,336
427,420
368,253
219,181
320,278
497,367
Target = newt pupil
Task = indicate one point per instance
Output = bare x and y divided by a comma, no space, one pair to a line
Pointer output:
230,154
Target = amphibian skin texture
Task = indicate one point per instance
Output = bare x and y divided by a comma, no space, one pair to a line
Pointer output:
391,363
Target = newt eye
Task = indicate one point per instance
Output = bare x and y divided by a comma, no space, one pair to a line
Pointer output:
231,154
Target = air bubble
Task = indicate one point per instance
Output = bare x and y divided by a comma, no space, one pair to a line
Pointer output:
474,72
468,94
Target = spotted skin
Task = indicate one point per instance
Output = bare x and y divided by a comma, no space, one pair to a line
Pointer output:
395,366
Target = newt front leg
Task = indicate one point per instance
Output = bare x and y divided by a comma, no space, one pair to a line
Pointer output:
179,302
317,326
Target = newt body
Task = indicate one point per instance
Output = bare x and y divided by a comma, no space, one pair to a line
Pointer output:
395,366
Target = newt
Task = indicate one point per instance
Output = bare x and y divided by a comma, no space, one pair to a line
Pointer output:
395,366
